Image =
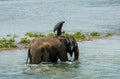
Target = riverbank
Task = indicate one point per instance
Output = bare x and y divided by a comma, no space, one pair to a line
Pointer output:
10,42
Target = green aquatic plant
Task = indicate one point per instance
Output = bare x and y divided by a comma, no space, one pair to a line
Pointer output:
25,40
8,35
95,34
30,34
11,40
79,35
108,34
51,34
82,36
66,34
15,36
39,35
7,43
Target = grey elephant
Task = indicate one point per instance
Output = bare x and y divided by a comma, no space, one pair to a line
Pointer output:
48,49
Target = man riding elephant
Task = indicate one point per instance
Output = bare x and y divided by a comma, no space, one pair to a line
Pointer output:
69,42
50,49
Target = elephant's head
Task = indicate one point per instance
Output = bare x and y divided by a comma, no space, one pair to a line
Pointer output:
70,44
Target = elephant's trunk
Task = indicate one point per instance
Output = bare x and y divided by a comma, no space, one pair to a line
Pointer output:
76,52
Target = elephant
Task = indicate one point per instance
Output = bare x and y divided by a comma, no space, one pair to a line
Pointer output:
68,41
47,49
71,45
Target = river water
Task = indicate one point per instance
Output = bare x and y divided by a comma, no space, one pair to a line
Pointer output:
99,59
21,16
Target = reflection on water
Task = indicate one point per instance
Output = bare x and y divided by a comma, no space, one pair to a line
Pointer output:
99,59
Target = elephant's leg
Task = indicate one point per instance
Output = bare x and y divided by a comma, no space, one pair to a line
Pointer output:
29,57
36,59
53,56
45,56
63,56
55,59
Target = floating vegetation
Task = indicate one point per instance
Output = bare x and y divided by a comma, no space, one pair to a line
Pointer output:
95,34
30,34
14,35
8,35
108,34
25,40
7,43
79,35
51,34
66,34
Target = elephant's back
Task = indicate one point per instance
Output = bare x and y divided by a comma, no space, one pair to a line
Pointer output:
46,41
